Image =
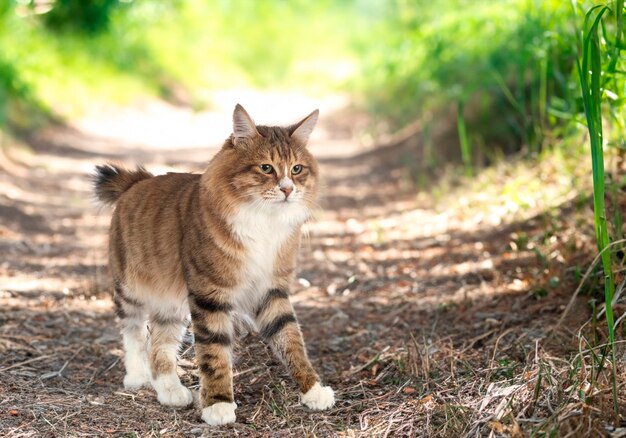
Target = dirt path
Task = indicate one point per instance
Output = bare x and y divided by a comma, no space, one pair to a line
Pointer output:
418,318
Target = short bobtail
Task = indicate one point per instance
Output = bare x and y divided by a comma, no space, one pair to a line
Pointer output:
110,181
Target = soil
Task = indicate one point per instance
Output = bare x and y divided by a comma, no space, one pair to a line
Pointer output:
424,322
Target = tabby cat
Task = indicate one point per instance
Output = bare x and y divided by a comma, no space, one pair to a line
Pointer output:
213,245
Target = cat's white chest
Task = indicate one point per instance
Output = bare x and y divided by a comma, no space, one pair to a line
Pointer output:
263,232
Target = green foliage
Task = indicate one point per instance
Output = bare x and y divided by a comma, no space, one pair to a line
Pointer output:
466,152
114,50
512,63
265,44
18,106
90,17
8,87
45,68
508,65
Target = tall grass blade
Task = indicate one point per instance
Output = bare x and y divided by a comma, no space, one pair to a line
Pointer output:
619,12
466,153
590,73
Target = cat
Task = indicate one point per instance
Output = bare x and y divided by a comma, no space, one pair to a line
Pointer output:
213,245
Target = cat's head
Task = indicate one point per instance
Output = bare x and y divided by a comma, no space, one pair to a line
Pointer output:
269,166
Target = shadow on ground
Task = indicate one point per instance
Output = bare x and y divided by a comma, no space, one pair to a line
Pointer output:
413,332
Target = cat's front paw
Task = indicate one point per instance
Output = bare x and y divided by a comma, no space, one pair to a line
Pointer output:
177,397
219,413
134,381
170,392
319,397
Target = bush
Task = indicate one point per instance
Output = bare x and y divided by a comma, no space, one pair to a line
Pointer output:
91,17
510,64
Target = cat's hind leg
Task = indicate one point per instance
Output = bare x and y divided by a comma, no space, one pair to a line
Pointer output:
167,327
132,314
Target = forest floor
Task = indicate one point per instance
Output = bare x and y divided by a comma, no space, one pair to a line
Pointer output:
427,320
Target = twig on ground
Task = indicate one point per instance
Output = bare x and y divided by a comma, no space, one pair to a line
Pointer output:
58,373
249,370
480,337
372,361
495,347
34,359
581,284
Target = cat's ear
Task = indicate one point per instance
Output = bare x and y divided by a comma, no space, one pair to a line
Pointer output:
302,130
243,125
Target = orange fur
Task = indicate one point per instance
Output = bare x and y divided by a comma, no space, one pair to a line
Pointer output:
213,244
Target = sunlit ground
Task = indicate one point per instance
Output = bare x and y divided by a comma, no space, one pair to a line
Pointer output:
429,299
404,295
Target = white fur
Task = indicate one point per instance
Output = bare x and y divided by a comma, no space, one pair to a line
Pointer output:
135,355
287,183
263,228
319,397
135,380
171,392
137,342
219,413
159,297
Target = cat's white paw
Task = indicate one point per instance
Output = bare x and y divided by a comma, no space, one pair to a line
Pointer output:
219,413
319,397
134,381
170,392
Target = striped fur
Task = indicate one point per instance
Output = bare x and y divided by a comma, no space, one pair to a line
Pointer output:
213,245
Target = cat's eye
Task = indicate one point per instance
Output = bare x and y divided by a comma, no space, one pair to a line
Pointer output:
266,168
296,169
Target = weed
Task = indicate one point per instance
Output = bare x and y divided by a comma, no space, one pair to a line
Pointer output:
590,71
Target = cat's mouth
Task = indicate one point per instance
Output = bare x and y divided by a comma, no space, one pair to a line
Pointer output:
285,201
282,200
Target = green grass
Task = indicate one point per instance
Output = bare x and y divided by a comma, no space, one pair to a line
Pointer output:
510,56
466,152
155,48
511,63
593,78
51,68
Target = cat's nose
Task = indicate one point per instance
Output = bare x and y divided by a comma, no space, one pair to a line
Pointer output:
286,186
286,190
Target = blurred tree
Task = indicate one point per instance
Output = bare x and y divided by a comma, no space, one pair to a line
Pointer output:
87,16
